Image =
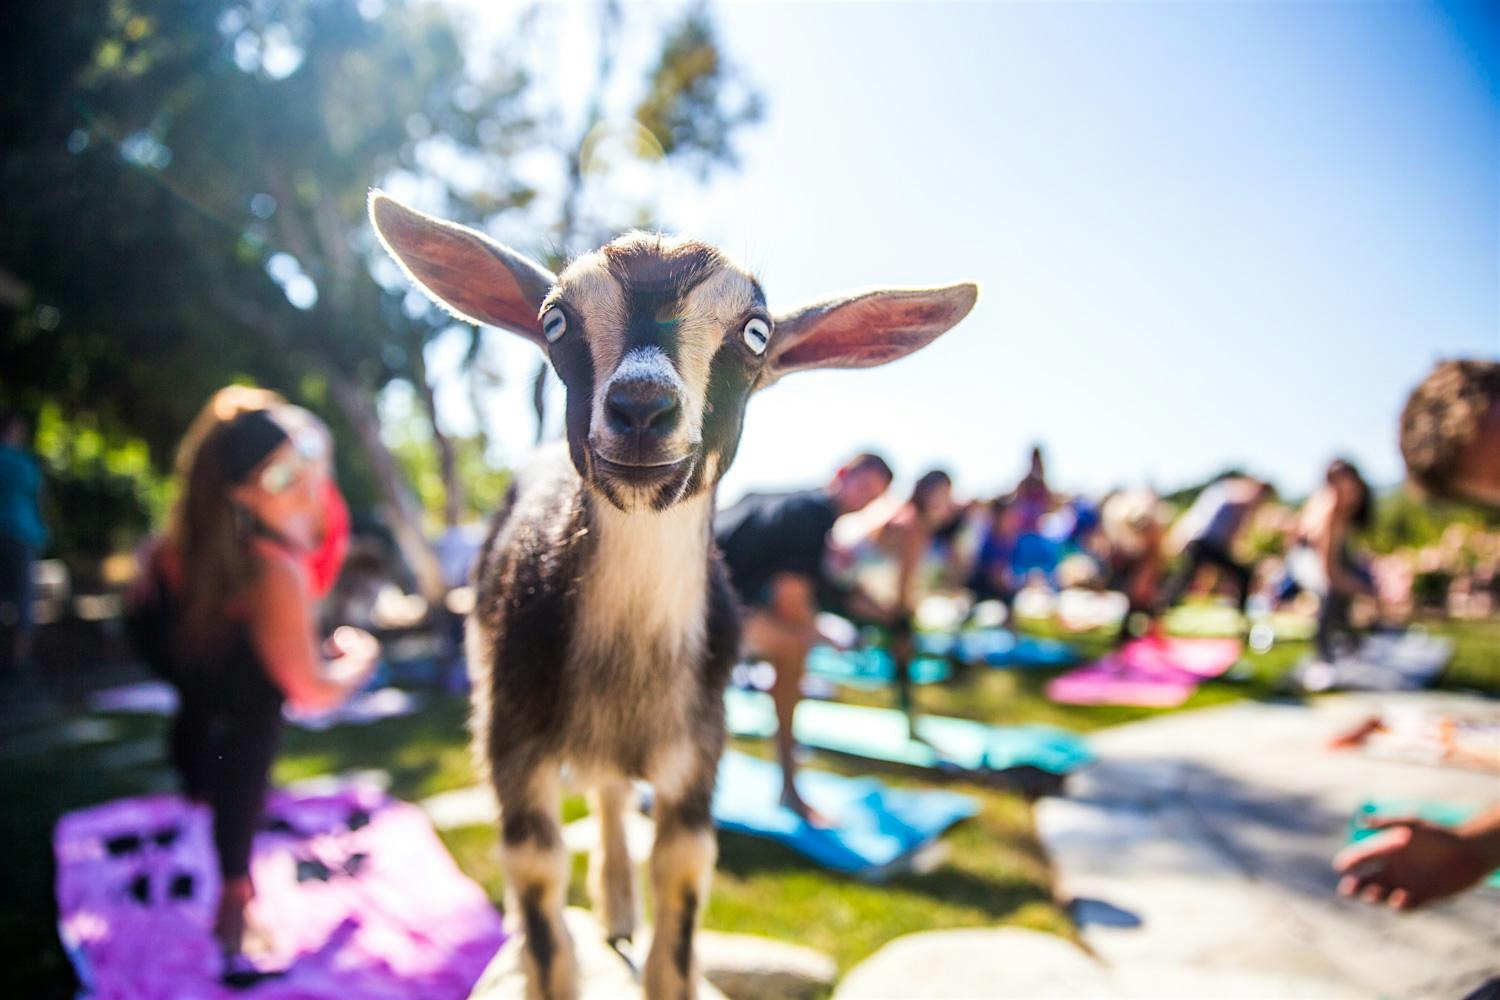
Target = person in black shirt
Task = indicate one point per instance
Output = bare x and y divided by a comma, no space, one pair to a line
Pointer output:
774,547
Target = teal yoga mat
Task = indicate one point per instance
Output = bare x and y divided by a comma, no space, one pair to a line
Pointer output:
1442,813
881,734
872,827
872,668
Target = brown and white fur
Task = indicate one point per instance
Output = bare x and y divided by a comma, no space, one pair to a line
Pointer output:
605,627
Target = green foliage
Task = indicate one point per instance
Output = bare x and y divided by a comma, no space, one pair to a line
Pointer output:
1404,520
183,186
410,440
102,491
686,107
184,197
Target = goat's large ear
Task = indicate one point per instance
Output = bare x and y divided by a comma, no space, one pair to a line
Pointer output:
464,271
865,329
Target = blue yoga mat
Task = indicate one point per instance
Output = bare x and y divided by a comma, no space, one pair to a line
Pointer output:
874,826
872,668
1002,648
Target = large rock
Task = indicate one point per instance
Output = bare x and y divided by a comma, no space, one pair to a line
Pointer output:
750,967
603,972
1011,962
1004,962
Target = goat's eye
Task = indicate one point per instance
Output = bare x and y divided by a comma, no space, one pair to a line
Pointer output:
757,334
554,324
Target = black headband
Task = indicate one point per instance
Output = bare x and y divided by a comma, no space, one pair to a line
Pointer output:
246,442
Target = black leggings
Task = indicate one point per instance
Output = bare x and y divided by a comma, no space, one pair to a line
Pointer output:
224,759
1333,624
1202,552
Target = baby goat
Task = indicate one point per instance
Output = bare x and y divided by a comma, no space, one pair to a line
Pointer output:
605,627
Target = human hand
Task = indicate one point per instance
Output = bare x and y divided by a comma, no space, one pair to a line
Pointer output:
1408,863
352,654
839,641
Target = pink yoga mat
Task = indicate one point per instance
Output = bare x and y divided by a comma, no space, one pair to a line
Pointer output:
359,895
1199,657
1155,673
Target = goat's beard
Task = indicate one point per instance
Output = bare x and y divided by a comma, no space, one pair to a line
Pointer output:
631,498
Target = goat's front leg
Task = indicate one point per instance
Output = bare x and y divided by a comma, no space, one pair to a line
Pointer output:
682,863
535,862
611,874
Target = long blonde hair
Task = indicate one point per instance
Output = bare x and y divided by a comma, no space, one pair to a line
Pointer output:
205,533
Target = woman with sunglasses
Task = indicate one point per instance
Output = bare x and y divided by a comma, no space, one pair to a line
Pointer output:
227,613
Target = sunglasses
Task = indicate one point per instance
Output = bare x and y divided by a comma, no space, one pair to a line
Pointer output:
309,451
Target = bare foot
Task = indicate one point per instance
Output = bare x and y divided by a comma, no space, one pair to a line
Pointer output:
793,801
235,931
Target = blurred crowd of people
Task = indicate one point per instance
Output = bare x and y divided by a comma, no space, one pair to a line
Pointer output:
1236,540
229,606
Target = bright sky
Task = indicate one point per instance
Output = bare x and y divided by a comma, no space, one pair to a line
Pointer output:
1205,233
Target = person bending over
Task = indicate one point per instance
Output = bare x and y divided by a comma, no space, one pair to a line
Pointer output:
1208,532
899,546
774,546
227,613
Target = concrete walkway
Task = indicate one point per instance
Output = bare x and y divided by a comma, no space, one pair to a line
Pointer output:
1201,842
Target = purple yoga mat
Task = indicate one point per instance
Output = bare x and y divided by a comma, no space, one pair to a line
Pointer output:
1156,673
357,892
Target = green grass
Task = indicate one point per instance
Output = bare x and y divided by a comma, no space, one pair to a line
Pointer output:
1476,663
995,872
1019,696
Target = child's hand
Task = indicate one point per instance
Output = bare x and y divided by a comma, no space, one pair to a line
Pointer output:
1409,863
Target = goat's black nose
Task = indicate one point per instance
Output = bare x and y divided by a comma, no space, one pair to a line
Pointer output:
640,405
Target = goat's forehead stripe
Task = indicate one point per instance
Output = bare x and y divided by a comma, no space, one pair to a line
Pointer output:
679,300
660,264
653,290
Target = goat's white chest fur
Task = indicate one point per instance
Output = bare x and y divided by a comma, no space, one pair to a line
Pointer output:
640,626
645,583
